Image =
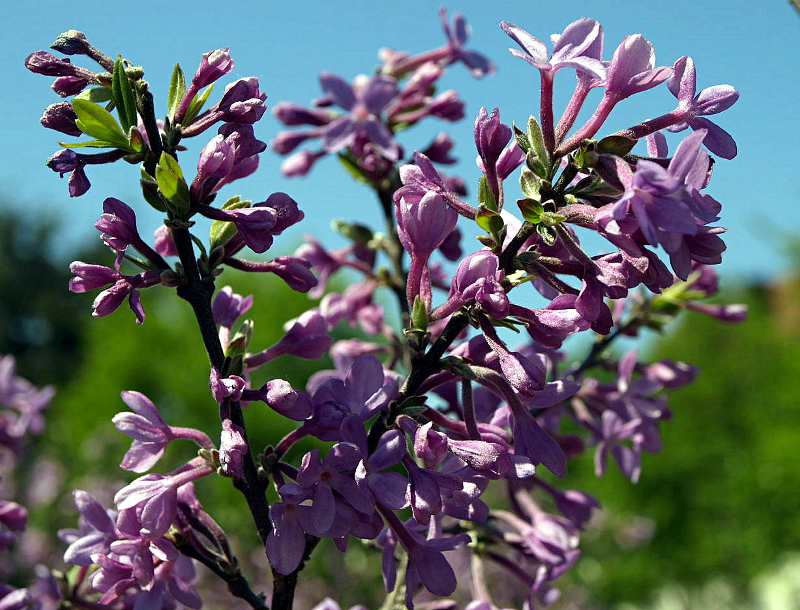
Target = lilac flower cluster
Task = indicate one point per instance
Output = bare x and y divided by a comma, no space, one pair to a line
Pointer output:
22,407
378,107
420,419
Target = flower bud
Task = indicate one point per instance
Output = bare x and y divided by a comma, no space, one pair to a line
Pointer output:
71,42
61,117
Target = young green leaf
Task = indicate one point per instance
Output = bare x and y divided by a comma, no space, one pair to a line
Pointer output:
124,98
96,95
177,89
173,187
95,121
485,194
197,105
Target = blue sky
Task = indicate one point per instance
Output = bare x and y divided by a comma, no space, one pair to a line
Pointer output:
751,45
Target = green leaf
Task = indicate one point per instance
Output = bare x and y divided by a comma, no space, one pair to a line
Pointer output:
150,190
355,232
95,95
485,194
455,364
240,340
221,230
536,139
169,177
123,96
89,144
177,89
615,145
551,219
547,234
419,314
96,121
531,210
489,220
197,105
353,169
522,139
530,183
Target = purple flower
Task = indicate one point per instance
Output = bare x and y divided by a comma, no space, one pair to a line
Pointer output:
334,473
457,36
305,337
150,433
476,279
213,66
284,399
423,227
232,449
88,277
61,117
364,101
613,430
164,244
658,197
422,177
632,68
360,393
42,62
228,306
230,155
225,387
573,48
711,100
287,541
155,496
97,531
242,102
65,86
293,270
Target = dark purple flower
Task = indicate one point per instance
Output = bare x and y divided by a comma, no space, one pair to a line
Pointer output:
61,117
66,160
88,277
42,62
65,86
286,542
242,102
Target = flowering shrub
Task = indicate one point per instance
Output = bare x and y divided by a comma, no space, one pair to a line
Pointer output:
418,422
